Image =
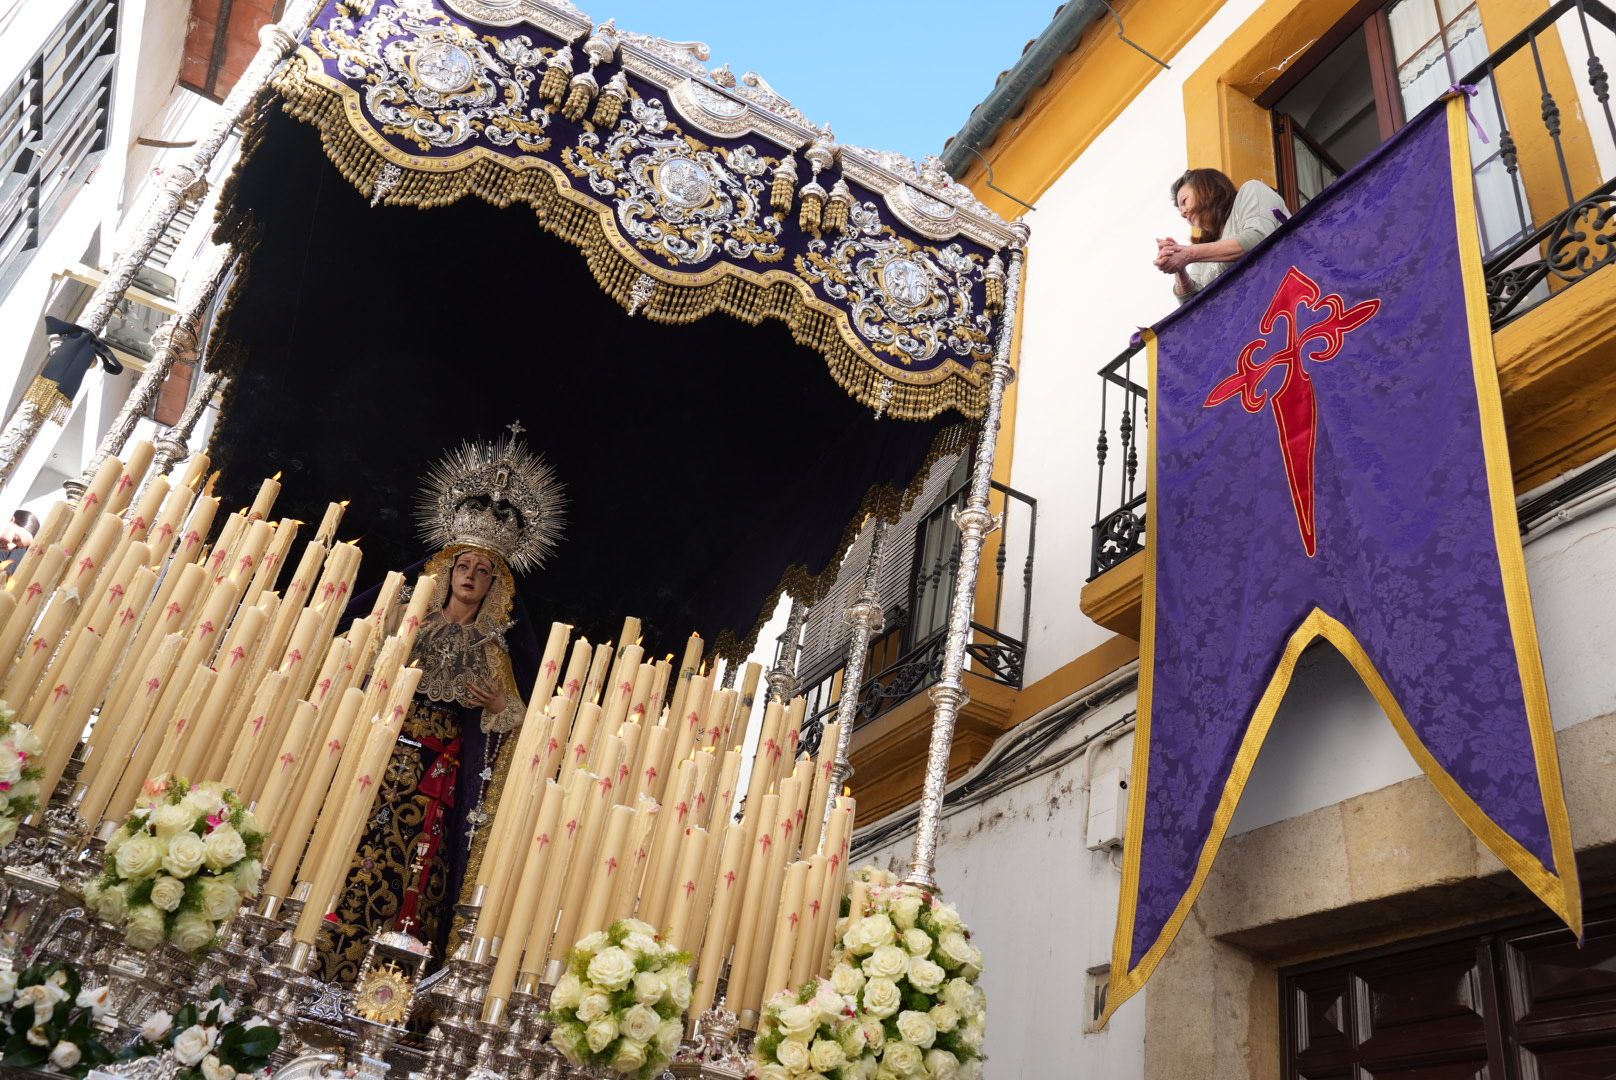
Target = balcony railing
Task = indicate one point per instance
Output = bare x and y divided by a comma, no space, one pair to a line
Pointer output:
997,649
1568,245
1581,237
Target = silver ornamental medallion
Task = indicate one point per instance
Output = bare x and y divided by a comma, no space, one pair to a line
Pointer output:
684,183
442,66
907,282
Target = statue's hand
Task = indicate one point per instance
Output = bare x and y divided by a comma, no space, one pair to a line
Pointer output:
490,697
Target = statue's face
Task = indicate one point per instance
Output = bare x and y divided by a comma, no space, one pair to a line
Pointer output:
471,577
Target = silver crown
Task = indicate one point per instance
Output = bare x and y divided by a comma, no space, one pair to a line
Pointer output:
500,497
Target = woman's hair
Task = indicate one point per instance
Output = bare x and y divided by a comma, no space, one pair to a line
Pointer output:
25,520
1214,198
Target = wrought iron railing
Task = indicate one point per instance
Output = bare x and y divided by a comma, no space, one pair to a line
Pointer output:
1578,237
1568,244
997,648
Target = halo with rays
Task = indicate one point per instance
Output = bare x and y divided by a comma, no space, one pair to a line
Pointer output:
499,496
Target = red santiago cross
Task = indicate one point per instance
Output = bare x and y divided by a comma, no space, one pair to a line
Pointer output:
1295,405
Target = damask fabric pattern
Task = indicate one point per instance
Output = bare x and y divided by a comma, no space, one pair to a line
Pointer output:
1382,437
419,106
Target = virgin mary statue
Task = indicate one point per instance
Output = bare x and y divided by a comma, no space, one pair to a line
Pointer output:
489,509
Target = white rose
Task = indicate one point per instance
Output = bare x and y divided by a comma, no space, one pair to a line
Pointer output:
169,820
37,1036
630,1056
902,1058
8,986
798,1020
649,986
569,1039
945,1017
593,1005
156,1026
219,899
953,949
942,1065
611,968
869,933
41,997
568,992
679,988
10,763
792,1054
8,830
65,1055
192,1045
917,941
223,847
826,1055
97,1000
250,823
112,904
970,1070
905,910
167,893
881,998
642,945
772,1072
192,932
827,1002
246,877
847,980
144,930
138,857
887,962
592,943
972,1035
214,1069
184,857
669,1035
875,1032
958,994
638,926
600,1034
925,976
916,1027
642,1023
947,917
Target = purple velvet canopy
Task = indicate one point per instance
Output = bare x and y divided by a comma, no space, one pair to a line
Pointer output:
688,190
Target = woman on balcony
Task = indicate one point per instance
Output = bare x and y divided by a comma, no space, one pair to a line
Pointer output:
1225,224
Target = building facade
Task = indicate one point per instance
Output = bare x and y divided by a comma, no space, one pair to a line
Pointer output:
1351,925
94,110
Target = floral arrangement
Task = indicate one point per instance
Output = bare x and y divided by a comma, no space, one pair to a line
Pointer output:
813,1032
19,780
207,1042
621,1003
907,964
48,1018
179,867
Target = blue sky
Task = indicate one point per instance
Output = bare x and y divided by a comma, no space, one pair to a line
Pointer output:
890,74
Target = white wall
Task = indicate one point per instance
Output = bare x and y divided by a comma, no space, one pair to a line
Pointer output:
147,103
1042,908
1090,285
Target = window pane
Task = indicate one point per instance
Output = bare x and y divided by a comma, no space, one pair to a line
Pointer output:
1495,202
1414,25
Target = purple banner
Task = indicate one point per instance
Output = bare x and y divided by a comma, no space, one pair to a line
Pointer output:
1328,461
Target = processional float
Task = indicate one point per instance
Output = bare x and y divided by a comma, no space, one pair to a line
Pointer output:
689,191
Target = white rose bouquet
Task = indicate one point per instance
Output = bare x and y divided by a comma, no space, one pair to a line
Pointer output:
622,1001
812,1032
907,963
19,774
179,867
47,1022
209,1042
